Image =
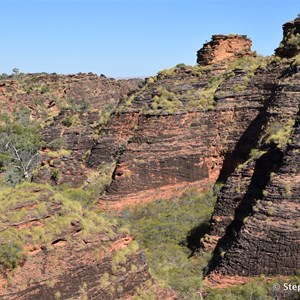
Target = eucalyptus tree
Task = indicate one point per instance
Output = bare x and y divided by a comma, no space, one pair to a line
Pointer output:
20,142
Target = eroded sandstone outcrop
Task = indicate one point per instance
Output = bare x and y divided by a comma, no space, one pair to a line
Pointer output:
224,48
71,108
65,251
254,224
159,151
233,119
290,44
46,94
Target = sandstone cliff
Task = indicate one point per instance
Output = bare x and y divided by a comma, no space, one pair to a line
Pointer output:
257,211
232,119
71,108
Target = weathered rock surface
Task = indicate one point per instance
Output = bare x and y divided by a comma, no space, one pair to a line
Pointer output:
158,152
290,45
68,251
257,211
71,108
233,119
272,227
224,48
46,94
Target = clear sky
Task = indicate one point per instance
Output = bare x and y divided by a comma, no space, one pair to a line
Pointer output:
121,38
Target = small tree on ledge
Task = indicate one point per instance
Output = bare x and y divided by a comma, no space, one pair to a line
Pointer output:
20,142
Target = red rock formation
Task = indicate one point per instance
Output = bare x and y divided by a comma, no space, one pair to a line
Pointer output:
65,253
160,154
224,48
258,207
72,107
46,94
232,121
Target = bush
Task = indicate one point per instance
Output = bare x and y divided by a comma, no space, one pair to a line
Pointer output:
256,289
3,76
44,89
279,133
78,105
296,61
166,72
10,255
59,153
57,144
67,121
161,228
165,101
20,142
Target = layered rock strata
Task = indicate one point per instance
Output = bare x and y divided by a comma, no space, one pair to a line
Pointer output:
233,119
67,251
257,212
290,45
224,48
160,152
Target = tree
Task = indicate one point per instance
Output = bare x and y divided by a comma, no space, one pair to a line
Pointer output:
20,142
16,71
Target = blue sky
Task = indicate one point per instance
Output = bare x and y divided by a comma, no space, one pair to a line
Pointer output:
121,38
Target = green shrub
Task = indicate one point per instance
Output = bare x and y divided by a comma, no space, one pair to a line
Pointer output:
20,142
67,121
104,281
166,72
57,144
165,101
294,40
44,89
279,133
78,105
150,80
3,76
57,295
180,66
253,290
105,113
120,256
296,61
10,254
55,175
256,289
59,153
161,228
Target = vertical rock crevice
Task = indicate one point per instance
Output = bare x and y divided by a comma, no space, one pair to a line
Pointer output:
252,191
265,165
269,237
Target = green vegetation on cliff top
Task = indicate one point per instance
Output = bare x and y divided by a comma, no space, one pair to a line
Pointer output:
178,89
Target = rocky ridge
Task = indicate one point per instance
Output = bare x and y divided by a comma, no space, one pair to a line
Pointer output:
233,119
257,211
72,108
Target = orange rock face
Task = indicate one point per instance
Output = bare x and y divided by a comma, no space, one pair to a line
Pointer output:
224,48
